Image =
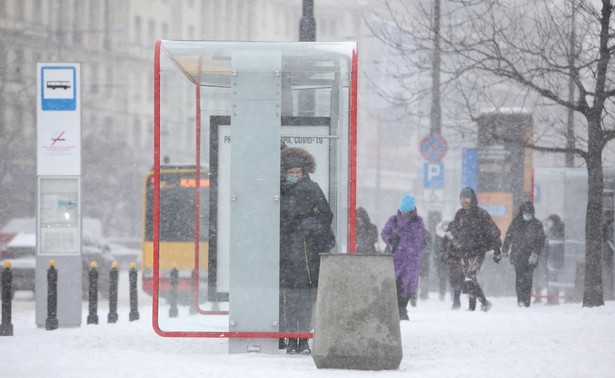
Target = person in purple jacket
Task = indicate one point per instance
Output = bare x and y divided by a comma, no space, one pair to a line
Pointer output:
403,234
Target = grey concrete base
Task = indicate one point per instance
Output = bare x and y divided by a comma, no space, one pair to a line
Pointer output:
356,324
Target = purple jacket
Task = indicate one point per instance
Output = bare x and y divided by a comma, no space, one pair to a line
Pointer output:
407,257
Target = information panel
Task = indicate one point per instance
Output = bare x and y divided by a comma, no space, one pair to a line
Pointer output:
58,113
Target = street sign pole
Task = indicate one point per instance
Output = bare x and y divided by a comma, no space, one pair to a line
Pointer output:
58,116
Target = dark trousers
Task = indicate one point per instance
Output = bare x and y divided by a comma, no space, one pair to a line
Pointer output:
402,298
471,266
442,271
524,276
296,307
552,287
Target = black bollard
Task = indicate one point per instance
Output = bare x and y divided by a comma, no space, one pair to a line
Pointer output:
93,294
6,327
132,279
193,302
113,281
52,297
173,312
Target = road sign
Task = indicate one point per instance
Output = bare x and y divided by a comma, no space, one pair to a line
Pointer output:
469,168
433,175
434,147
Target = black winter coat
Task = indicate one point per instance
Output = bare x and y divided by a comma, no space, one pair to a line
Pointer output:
303,211
524,238
474,231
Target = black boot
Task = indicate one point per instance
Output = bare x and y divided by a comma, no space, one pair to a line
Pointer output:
472,306
292,346
282,344
412,299
303,347
456,299
403,314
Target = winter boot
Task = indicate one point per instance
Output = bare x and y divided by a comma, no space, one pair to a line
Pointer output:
456,299
303,347
413,299
403,314
472,305
292,346
486,306
282,344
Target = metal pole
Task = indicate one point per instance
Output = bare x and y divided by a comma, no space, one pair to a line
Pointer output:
52,297
93,294
113,282
436,110
6,327
307,33
134,301
307,24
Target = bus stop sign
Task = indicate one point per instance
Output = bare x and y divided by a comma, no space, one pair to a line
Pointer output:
433,148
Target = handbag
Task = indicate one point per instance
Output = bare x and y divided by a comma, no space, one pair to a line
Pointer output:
393,241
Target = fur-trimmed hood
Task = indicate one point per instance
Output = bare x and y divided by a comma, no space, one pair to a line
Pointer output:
294,157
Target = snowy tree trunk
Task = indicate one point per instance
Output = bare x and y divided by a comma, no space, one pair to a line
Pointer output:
592,293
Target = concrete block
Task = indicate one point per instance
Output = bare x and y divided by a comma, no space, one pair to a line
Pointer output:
356,324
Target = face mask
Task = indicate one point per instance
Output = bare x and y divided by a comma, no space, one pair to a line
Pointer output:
291,179
527,217
549,225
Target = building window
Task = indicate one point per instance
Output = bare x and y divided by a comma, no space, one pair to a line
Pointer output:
151,30
138,30
164,31
36,12
94,79
109,83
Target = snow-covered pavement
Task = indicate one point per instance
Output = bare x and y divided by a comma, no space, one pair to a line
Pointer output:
542,341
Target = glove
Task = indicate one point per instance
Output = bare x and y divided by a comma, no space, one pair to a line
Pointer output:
497,256
454,242
533,259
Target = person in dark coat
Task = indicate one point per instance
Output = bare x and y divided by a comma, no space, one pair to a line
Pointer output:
555,248
404,233
305,231
526,239
367,233
470,235
441,258
426,250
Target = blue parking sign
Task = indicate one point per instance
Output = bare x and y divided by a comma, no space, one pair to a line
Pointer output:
433,175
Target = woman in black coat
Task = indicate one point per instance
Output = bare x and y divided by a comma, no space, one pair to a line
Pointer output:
305,232
526,239
367,233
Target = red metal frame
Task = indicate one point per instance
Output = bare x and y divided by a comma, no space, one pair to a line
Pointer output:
352,135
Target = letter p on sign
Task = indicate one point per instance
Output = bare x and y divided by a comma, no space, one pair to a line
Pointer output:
433,175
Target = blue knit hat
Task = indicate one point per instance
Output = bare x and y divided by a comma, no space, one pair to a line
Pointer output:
407,203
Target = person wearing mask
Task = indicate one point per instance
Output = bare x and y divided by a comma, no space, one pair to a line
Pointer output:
305,232
367,233
526,239
404,234
470,235
555,248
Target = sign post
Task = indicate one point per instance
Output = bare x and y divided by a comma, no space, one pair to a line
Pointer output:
433,148
58,116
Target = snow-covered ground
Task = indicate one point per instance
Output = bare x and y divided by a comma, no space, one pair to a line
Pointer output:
542,341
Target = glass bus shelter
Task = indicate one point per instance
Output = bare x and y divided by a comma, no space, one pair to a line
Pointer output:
223,111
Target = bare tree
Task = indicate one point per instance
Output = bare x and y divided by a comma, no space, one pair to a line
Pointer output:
497,53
